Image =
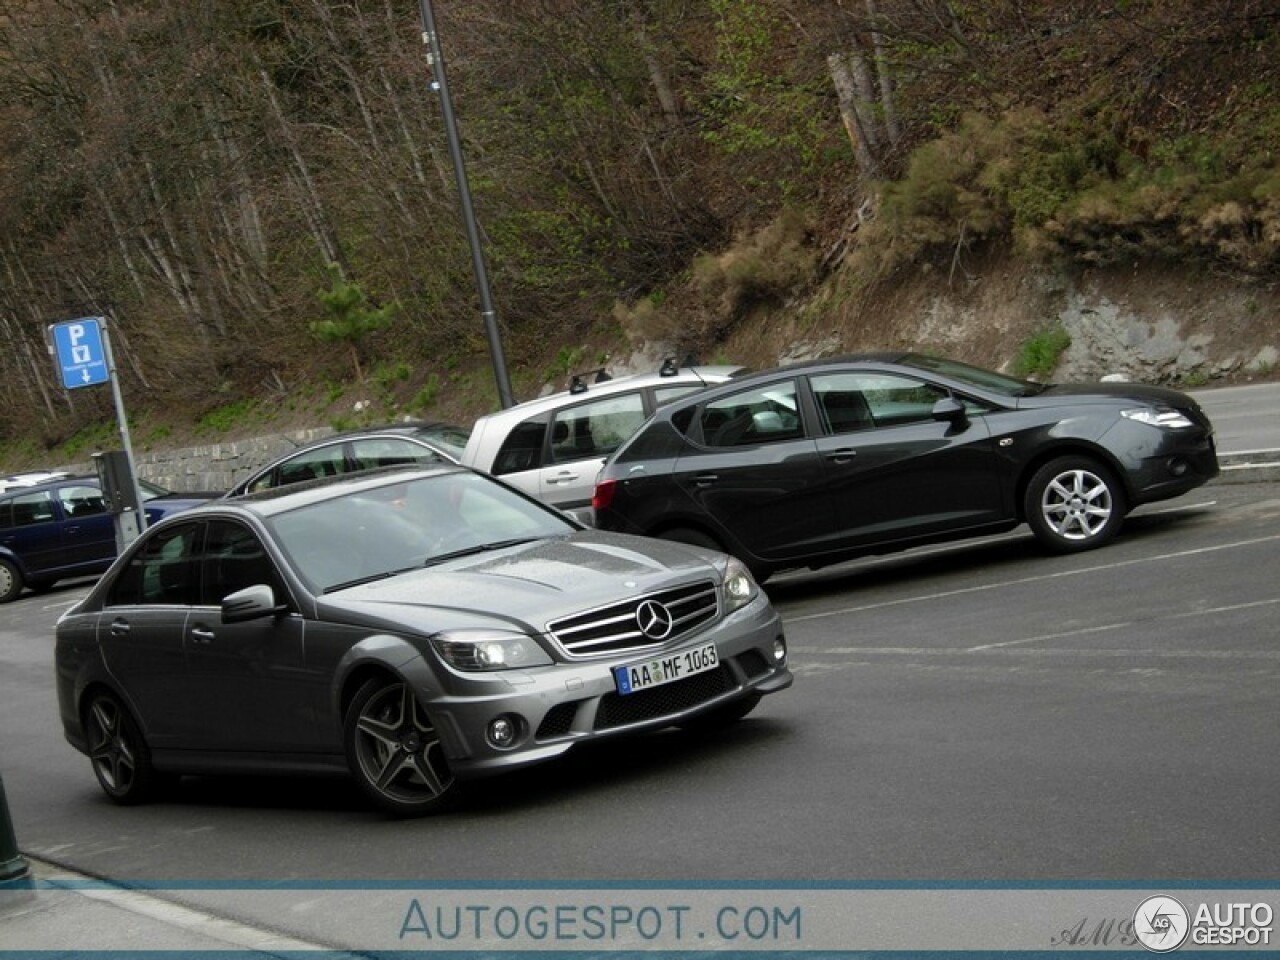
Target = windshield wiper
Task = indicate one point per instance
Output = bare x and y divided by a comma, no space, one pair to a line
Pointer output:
479,548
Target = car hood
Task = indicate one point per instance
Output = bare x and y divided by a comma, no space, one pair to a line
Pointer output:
1062,394
522,587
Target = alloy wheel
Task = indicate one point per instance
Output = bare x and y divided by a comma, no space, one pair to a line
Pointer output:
396,750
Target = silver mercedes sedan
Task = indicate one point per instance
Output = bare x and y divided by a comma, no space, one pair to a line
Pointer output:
413,627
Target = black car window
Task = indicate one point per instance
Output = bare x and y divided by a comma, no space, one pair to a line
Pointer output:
326,461
522,450
32,508
81,501
370,452
234,558
595,429
164,571
849,402
6,513
764,414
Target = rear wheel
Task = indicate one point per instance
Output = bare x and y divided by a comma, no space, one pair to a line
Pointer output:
120,757
699,538
394,751
10,581
1074,504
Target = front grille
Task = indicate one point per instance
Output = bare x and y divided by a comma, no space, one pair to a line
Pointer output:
616,628
617,710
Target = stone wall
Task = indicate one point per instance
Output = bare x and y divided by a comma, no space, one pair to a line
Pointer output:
213,467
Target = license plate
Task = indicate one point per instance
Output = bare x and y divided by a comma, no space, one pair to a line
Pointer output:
665,669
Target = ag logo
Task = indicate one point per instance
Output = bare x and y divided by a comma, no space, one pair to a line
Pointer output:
1161,924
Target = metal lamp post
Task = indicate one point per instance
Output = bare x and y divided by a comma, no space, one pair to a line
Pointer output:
435,60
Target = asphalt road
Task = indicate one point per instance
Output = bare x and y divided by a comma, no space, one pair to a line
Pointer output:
980,712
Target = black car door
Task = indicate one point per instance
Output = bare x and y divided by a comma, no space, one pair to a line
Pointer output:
752,470
900,473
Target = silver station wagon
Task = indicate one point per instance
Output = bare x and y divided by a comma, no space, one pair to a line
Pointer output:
412,627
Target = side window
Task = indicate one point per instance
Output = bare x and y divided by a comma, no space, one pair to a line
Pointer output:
372,452
895,400
522,450
765,414
234,558
32,508
165,571
324,462
6,513
82,501
663,395
595,429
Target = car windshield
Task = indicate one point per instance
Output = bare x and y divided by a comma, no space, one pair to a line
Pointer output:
381,531
974,376
150,491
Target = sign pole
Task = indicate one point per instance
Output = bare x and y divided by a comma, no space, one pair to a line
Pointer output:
123,420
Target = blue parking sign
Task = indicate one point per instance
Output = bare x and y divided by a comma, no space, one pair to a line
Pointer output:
80,355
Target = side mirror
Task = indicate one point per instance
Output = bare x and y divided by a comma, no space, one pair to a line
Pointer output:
251,603
949,410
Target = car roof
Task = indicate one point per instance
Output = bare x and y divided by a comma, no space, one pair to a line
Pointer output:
585,386
7,486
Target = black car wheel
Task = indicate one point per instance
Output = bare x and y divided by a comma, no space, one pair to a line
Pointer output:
1073,504
722,716
699,538
120,757
10,581
394,752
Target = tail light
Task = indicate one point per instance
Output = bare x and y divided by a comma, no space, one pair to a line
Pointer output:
603,496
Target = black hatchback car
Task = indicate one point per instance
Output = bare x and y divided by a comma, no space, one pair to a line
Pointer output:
813,464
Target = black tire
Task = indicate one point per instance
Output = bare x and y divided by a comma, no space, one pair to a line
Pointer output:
719,717
699,538
1074,503
120,756
10,580
394,752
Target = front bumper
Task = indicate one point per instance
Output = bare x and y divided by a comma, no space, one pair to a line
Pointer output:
555,708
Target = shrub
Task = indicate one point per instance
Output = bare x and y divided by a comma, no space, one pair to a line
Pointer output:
1039,355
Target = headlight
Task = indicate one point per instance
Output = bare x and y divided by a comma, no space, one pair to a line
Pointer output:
1159,417
488,650
739,587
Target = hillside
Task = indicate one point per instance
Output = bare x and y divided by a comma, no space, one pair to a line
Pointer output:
259,197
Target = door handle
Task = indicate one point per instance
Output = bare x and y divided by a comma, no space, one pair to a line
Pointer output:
201,635
119,628
843,455
562,478
706,479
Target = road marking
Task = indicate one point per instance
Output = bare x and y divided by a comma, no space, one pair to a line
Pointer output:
1040,578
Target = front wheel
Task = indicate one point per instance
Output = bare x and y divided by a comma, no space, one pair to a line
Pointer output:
1074,504
120,756
723,715
10,581
394,751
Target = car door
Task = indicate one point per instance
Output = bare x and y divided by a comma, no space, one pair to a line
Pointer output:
898,472
754,471
32,532
580,439
88,530
251,684
142,634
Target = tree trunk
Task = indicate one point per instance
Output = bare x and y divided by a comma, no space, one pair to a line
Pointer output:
846,94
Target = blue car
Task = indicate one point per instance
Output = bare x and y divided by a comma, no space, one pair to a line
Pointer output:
61,528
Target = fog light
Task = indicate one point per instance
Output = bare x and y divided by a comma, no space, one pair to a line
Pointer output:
1177,466
780,649
502,731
